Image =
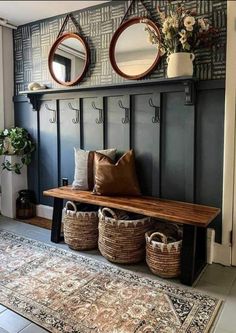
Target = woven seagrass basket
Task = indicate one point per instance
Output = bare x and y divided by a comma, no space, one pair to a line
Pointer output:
80,228
168,229
163,254
122,241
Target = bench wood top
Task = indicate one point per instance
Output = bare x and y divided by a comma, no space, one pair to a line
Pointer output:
166,210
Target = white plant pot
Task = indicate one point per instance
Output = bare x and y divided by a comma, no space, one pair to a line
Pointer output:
8,146
11,184
180,64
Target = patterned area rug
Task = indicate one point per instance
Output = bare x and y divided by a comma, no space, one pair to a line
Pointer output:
66,292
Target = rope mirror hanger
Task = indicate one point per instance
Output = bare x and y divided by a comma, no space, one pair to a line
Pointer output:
134,49
69,55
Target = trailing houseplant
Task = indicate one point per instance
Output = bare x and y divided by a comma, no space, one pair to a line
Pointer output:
181,34
16,141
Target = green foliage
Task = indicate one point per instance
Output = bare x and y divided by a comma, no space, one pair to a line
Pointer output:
16,141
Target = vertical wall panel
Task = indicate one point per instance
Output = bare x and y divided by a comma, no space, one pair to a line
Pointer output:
48,152
209,152
173,147
117,130
146,142
69,136
93,131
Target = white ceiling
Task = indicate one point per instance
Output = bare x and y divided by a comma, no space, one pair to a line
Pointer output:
22,12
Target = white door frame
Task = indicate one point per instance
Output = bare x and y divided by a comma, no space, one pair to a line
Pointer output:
225,253
233,254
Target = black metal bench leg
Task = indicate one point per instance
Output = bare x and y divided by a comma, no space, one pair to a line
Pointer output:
56,220
193,258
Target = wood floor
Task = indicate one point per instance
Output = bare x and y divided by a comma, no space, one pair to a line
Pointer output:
39,222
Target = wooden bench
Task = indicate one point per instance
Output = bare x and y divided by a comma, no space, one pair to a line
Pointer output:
194,218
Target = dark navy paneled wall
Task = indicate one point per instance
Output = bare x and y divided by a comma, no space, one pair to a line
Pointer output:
32,42
179,157
178,147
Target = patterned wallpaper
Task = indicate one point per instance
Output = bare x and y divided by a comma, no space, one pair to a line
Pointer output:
32,42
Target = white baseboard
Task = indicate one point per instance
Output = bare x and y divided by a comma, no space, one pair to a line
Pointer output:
217,253
222,254
44,211
210,245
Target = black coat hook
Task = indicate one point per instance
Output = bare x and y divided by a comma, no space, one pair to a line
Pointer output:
100,119
156,117
75,120
124,120
54,118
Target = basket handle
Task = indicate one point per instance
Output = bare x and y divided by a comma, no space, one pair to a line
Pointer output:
163,237
72,204
108,210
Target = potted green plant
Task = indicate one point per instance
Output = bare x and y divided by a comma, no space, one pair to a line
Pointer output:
16,141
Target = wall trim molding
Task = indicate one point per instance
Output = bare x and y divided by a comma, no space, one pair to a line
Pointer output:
222,254
44,211
217,253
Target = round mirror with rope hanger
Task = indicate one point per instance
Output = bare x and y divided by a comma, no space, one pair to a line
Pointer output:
68,58
134,48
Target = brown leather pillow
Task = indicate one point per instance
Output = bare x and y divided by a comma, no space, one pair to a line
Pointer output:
115,178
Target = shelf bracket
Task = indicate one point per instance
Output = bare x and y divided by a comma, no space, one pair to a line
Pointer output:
33,101
189,90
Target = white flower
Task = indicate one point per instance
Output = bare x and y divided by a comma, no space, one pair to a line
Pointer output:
183,38
152,36
175,21
204,24
189,21
5,132
168,35
162,16
165,26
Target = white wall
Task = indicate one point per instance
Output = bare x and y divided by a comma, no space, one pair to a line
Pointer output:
7,77
229,211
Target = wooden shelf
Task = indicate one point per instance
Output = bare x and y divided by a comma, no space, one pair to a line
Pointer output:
111,86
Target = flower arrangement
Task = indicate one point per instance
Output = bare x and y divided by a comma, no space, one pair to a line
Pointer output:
16,141
182,32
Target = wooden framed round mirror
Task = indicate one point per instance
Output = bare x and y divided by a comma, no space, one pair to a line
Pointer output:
68,59
134,48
